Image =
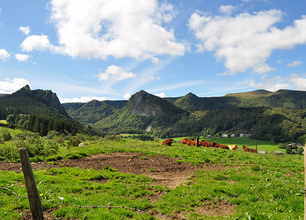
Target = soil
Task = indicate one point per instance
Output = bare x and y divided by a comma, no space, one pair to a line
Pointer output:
162,168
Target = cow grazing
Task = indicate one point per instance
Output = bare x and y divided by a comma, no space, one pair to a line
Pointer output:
223,146
167,142
233,147
192,142
246,149
184,141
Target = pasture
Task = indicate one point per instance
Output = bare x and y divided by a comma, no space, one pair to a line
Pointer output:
262,145
131,179
4,122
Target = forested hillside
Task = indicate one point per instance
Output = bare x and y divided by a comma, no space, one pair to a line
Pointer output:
266,115
26,101
39,111
279,116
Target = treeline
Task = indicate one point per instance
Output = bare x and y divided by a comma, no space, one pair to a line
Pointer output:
43,124
277,124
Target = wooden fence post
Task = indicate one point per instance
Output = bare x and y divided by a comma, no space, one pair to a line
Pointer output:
197,144
305,183
33,196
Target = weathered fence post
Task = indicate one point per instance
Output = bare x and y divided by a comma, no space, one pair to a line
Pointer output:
197,144
33,196
305,183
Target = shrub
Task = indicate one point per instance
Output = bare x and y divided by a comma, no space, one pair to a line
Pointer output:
300,151
282,146
288,150
6,136
74,141
9,152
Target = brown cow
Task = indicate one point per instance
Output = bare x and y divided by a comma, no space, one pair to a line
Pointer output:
184,141
167,142
246,149
223,146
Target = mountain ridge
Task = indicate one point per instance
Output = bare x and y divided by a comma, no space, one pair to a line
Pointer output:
27,101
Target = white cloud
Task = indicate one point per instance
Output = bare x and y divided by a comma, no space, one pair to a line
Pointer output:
22,57
161,95
82,99
10,86
155,78
272,84
226,9
102,29
294,63
26,30
263,68
298,82
155,60
115,73
37,42
127,96
4,55
246,41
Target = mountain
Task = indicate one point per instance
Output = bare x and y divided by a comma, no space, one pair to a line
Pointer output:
279,115
191,102
252,94
288,99
26,101
146,104
142,112
266,115
91,112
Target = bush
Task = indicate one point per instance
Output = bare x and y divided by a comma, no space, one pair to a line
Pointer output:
74,141
145,137
6,136
282,146
9,152
300,151
288,150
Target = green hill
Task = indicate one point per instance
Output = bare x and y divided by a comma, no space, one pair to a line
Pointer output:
143,112
288,99
26,101
91,112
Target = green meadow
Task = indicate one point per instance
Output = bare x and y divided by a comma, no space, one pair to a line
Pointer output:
248,185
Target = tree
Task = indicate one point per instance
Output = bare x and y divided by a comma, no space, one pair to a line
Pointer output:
10,119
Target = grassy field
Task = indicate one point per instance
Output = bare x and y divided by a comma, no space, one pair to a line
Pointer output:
4,122
262,145
255,186
13,132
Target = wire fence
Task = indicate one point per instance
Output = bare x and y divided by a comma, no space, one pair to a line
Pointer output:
152,213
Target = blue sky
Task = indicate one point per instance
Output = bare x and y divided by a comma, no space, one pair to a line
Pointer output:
111,49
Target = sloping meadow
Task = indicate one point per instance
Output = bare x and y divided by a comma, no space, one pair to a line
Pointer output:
223,184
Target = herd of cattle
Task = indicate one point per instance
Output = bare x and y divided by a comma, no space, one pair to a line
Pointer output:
204,143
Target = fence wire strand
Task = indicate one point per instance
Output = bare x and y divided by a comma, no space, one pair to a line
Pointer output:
152,213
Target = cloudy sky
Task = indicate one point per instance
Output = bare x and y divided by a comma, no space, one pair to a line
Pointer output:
111,49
